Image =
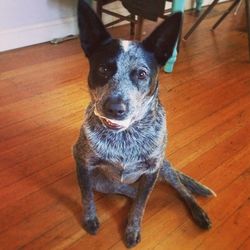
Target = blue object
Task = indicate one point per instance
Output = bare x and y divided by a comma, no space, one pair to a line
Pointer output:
178,5
199,5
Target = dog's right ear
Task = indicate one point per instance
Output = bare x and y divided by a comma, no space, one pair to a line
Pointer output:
92,31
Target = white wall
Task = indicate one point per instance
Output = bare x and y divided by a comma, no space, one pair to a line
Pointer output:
27,22
18,13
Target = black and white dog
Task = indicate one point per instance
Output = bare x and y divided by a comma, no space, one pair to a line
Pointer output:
121,147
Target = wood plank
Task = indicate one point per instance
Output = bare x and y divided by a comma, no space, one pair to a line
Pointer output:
20,154
36,105
229,235
40,222
14,140
206,142
245,245
199,128
44,199
19,58
35,182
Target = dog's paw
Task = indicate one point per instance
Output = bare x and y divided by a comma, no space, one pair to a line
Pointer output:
201,218
92,225
132,238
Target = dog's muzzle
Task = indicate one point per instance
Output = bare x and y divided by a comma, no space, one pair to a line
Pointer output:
111,123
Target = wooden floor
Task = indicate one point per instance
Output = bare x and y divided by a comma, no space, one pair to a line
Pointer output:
43,93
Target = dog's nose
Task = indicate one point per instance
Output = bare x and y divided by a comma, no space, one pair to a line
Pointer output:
115,108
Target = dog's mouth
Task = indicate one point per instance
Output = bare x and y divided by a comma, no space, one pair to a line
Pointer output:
110,124
113,124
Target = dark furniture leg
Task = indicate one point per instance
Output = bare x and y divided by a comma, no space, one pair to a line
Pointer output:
139,28
99,8
196,24
225,14
132,26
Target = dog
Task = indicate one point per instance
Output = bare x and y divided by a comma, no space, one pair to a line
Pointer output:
121,146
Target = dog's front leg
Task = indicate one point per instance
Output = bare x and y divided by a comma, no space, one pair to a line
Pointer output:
90,220
146,184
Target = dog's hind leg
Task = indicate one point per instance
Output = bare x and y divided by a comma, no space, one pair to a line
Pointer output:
104,185
172,176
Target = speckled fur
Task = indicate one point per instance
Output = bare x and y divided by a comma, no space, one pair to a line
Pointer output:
127,161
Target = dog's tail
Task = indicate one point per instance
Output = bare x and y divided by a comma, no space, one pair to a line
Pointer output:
195,187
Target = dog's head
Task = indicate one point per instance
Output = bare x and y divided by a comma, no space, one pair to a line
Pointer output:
123,74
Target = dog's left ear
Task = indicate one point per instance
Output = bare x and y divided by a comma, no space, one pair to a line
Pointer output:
163,39
92,31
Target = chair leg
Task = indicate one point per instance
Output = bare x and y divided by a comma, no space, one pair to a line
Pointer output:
177,6
139,28
225,14
132,26
200,19
198,5
248,23
99,8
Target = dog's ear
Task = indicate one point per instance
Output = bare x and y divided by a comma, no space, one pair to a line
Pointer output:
92,31
163,39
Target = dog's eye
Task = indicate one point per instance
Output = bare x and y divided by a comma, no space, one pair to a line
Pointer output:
142,74
103,69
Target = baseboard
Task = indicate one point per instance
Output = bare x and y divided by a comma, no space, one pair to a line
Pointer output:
39,33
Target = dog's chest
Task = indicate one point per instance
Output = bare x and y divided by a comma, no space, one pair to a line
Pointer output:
127,173
124,157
